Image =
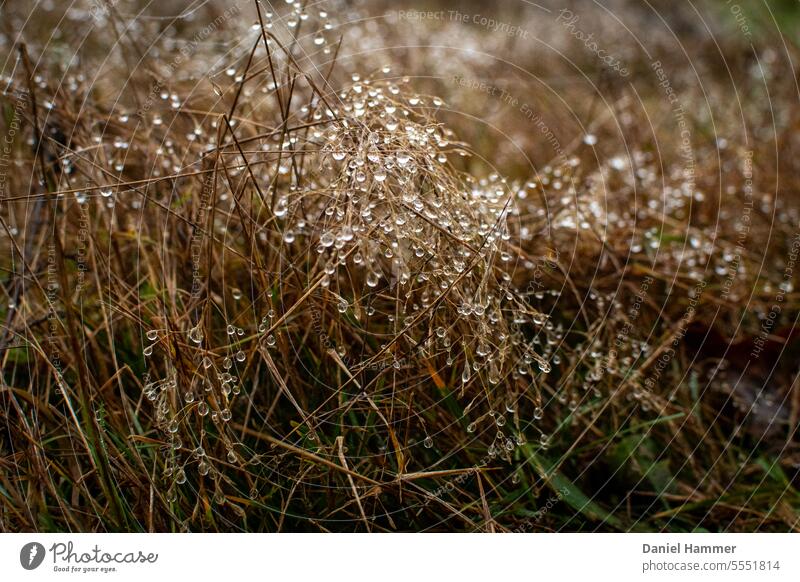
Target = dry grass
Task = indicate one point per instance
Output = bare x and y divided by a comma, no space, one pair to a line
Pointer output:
287,288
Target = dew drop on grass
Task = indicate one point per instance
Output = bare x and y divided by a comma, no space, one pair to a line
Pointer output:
180,477
466,374
327,239
148,351
240,356
225,415
428,442
231,456
202,409
538,413
203,468
471,427
281,207
196,334
500,420
152,335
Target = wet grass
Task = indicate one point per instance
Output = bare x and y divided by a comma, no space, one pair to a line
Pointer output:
248,304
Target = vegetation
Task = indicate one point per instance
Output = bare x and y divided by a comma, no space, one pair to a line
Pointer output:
377,269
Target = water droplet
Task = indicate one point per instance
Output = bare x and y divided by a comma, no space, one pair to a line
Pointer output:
466,374
152,335
327,239
428,442
180,476
196,334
